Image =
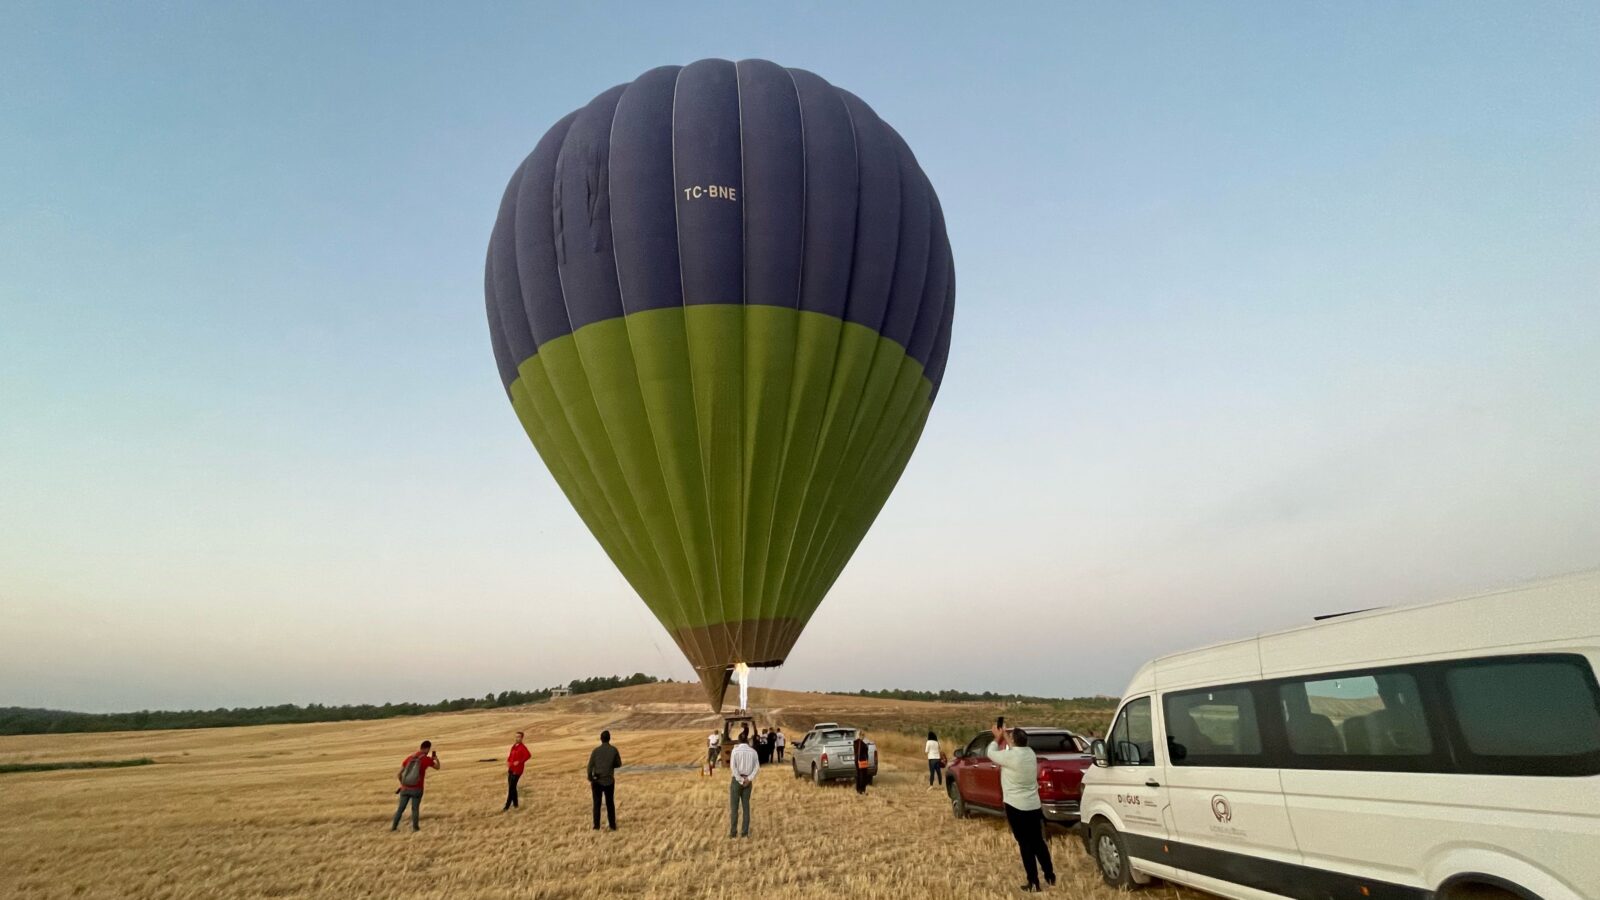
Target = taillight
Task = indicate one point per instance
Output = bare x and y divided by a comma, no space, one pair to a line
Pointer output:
824,758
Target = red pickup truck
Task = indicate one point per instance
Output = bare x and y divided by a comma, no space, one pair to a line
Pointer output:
973,782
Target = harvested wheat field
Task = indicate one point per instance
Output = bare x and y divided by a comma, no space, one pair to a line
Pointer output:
303,811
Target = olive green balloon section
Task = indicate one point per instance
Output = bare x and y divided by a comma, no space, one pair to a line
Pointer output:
728,458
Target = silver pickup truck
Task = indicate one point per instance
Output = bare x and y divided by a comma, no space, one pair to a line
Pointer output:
827,752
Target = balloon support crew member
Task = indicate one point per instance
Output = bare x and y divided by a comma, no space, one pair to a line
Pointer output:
743,766
863,755
1019,785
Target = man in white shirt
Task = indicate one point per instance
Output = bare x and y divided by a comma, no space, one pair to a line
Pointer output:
744,764
713,751
778,742
1019,787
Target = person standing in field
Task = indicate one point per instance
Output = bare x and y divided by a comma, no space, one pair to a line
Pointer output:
777,745
515,761
1019,787
713,750
603,764
413,771
863,755
743,764
935,755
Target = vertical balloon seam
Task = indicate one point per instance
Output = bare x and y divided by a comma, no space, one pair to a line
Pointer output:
683,294
594,485
626,340
762,600
800,462
896,468
809,482
826,511
832,564
604,529
871,468
566,401
668,580
693,634
863,460
850,362
744,349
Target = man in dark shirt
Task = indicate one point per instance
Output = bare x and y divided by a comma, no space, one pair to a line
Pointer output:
863,755
603,764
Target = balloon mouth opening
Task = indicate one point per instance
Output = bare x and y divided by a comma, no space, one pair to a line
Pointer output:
716,679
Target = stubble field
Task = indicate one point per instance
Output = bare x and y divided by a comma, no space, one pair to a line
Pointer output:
304,811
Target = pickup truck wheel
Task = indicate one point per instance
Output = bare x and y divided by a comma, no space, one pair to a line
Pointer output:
795,767
816,775
1110,853
958,804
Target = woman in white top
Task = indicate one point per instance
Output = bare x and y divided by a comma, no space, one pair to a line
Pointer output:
935,760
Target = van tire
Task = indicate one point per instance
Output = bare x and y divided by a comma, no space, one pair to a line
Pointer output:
1478,892
958,803
1110,854
816,775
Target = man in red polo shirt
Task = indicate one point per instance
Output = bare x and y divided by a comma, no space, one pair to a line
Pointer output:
413,770
515,760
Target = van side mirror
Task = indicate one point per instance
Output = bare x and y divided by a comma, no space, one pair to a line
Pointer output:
961,753
1097,749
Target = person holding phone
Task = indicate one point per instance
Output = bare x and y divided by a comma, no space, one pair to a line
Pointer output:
413,772
1019,787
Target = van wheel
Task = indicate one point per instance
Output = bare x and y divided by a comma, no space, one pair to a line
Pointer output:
816,775
958,803
1478,892
1111,856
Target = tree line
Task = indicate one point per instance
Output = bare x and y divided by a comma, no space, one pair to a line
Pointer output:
949,696
19,720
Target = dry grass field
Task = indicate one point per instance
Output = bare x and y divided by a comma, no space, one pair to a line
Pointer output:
303,811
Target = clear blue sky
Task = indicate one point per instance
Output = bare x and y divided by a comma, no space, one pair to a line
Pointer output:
1265,310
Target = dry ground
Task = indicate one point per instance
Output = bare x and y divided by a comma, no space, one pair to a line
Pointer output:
303,811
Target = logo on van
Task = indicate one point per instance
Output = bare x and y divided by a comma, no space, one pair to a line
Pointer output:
1221,808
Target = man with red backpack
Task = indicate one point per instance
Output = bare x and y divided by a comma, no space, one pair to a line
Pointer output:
412,773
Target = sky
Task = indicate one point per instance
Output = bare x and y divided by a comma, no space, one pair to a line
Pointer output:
1265,311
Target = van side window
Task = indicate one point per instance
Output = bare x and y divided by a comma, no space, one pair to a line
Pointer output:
1356,715
1539,710
1132,739
1214,726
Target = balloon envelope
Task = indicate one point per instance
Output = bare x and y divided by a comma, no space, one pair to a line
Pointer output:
720,297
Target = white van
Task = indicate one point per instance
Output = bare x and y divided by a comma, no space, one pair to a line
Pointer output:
1446,751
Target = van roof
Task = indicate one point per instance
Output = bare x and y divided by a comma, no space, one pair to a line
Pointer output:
1561,606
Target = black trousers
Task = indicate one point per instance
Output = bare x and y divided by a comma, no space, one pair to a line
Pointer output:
863,776
511,789
935,772
607,791
1027,826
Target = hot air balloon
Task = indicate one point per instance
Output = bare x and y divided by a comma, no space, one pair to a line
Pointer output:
720,298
